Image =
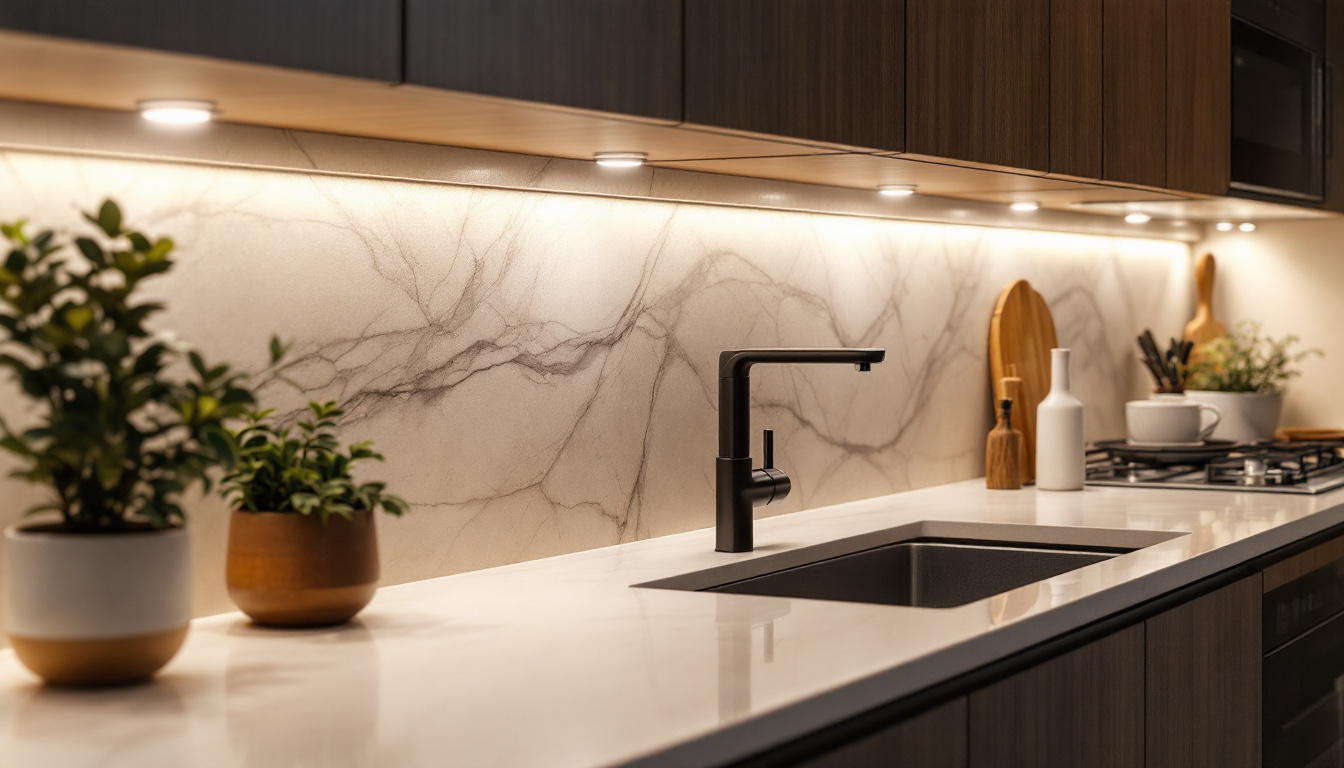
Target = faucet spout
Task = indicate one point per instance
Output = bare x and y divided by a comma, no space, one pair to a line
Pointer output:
739,487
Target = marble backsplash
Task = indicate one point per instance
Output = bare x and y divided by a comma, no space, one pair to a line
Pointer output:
540,369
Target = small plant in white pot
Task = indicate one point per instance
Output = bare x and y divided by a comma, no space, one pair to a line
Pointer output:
98,587
1244,374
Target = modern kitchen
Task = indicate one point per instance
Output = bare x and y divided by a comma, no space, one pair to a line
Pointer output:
566,383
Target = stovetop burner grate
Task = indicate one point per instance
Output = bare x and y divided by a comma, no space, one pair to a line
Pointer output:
1300,467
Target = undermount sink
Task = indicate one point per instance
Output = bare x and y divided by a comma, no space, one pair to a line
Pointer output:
931,564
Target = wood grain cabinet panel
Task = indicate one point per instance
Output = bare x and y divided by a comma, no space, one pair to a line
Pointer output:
1203,668
935,739
1199,96
1075,88
359,38
621,56
1134,101
1334,57
1084,708
978,81
822,70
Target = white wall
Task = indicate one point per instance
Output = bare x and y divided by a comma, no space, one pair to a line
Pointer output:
1290,277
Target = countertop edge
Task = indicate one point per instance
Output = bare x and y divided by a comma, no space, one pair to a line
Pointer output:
761,734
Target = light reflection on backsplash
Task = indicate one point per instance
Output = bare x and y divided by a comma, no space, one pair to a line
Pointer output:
539,368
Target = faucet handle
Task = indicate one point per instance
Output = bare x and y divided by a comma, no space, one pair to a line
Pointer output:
768,449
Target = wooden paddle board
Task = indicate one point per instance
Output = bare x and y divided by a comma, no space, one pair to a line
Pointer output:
1204,327
1021,335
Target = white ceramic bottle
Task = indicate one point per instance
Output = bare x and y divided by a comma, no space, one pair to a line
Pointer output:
1060,455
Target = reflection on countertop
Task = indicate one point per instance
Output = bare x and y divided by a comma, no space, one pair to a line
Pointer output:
559,662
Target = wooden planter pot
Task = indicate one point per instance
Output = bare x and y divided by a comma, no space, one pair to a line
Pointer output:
290,570
97,608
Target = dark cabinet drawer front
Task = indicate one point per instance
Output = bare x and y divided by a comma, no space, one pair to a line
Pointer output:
1304,698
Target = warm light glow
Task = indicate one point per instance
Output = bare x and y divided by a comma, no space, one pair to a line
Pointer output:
1138,218
1025,205
896,190
620,159
1247,226
1223,226
176,111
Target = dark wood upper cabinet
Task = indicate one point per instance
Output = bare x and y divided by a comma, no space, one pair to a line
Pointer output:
1075,88
1134,91
1083,708
1334,105
978,81
359,38
821,70
1199,96
1203,671
617,56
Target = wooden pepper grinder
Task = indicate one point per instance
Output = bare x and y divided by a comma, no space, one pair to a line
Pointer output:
1004,446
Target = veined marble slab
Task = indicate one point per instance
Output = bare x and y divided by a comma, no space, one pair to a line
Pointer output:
539,368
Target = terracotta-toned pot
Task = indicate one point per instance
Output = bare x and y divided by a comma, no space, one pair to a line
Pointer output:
96,608
290,570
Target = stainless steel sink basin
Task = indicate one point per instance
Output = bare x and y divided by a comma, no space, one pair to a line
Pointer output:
929,574
933,565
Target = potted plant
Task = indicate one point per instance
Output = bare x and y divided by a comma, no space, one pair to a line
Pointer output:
1244,374
303,549
99,591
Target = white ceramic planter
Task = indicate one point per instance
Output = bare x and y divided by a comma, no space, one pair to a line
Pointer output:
1247,416
97,609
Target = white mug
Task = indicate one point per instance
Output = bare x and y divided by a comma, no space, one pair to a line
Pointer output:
1170,421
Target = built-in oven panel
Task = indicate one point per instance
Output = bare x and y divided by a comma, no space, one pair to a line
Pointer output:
1304,699
1277,110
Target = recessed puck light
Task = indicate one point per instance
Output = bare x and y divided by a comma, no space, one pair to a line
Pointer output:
176,111
896,190
620,159
1025,206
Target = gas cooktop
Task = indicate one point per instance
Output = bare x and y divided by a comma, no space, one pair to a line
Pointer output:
1280,467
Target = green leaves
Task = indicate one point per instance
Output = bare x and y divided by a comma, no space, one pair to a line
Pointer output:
121,433
1245,361
279,470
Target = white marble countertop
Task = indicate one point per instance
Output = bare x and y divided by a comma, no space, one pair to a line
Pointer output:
559,662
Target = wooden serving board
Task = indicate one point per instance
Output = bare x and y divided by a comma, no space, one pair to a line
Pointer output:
1021,335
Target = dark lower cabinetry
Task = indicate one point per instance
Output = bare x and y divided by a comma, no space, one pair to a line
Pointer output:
1203,669
1082,708
612,55
359,38
1179,690
935,739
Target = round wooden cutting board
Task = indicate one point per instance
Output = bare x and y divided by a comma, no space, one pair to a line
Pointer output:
1021,335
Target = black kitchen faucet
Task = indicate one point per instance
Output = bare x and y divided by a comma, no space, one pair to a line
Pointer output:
738,487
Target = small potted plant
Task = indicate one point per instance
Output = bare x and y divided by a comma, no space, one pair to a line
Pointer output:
1244,374
303,550
99,592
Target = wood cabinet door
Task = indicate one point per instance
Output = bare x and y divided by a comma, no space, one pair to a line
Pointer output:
619,56
1334,105
1203,668
1084,708
978,81
1134,91
1199,96
934,739
359,38
1076,60
822,70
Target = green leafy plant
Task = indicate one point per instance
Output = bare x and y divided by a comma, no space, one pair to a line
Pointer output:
1245,361
118,438
305,472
